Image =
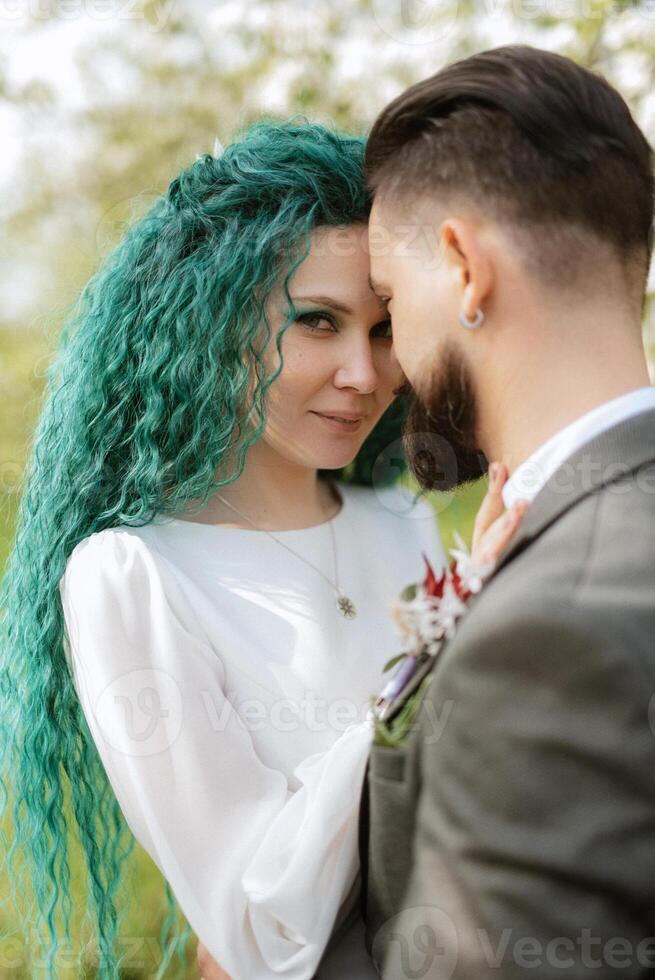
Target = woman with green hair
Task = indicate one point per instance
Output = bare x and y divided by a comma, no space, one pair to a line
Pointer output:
195,610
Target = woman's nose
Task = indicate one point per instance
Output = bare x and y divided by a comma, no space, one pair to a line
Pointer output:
358,368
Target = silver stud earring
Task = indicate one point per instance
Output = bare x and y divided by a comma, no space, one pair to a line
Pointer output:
475,322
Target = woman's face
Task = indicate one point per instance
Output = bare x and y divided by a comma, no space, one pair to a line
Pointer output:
336,356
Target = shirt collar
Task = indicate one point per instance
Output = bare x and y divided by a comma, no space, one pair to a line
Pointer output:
529,478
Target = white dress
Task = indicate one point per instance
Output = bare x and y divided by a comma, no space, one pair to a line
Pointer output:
229,702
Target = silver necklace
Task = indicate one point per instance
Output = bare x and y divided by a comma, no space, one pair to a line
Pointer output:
344,604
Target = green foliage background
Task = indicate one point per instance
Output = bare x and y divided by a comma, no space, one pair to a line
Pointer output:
190,71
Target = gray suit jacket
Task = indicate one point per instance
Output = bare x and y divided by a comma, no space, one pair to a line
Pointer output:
512,834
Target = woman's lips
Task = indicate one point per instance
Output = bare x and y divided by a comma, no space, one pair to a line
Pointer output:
340,425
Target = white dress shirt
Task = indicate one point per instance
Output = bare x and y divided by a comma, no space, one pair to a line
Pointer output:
531,476
228,701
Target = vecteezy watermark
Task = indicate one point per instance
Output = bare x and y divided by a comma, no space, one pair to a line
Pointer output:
419,241
416,21
400,239
140,713
426,21
30,952
427,943
310,713
419,942
585,471
156,16
399,499
565,952
562,10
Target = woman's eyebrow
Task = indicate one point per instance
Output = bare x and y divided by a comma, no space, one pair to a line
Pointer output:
334,304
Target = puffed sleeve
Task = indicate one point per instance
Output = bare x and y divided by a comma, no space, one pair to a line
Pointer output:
260,871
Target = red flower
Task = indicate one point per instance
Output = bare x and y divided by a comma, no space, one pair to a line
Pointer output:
434,587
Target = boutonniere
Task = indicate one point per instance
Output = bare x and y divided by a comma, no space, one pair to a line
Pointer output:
426,615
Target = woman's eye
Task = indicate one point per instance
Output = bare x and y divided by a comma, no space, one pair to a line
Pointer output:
311,320
383,329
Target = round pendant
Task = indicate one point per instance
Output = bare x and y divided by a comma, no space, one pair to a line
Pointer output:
346,607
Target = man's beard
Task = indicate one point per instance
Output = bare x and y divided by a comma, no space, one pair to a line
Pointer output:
439,434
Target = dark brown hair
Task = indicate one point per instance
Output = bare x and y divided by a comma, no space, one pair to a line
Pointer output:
531,138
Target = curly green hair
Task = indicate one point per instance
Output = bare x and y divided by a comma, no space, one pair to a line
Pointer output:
144,412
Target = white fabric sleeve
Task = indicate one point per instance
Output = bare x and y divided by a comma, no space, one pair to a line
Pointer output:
260,871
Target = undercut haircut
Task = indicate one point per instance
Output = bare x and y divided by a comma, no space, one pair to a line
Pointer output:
536,142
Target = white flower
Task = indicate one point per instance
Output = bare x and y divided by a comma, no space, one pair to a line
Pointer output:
425,621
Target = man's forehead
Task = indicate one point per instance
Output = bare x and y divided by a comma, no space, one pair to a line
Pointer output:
394,211
382,211
393,222
377,285
378,266
398,239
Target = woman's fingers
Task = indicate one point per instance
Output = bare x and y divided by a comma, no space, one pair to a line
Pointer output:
492,506
496,538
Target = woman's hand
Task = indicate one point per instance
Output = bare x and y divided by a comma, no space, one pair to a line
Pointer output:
209,968
495,526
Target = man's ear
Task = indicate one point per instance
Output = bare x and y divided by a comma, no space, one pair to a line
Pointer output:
468,251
